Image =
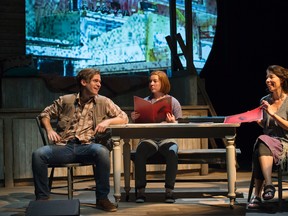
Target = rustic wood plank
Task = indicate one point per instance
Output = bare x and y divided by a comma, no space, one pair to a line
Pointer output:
1,152
22,137
8,152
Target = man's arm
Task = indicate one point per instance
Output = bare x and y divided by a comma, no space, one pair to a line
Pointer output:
51,134
102,126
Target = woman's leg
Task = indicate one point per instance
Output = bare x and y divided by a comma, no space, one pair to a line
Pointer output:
266,164
257,173
255,202
145,149
262,167
170,152
258,187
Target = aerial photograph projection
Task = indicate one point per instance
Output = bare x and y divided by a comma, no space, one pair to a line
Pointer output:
117,36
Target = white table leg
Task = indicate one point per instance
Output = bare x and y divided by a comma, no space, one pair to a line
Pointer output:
127,166
231,169
116,168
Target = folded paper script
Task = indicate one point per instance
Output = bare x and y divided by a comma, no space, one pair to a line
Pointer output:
152,112
249,116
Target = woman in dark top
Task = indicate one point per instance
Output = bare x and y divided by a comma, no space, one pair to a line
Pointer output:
271,148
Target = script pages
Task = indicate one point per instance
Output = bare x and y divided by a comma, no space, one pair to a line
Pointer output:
152,112
249,116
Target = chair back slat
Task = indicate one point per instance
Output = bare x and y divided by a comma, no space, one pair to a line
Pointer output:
43,131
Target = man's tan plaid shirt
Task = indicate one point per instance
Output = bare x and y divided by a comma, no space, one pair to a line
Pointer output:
76,120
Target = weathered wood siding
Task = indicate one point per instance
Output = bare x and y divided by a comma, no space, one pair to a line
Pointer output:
19,137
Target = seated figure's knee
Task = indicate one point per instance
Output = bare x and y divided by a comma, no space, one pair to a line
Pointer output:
100,151
38,153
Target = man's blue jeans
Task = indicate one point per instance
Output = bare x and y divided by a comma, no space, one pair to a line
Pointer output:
92,153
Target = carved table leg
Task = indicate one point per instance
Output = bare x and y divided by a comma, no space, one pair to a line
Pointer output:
117,168
231,169
127,163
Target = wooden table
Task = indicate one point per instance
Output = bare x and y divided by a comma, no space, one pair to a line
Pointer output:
171,130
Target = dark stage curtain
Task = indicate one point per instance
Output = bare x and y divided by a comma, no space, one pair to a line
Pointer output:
250,36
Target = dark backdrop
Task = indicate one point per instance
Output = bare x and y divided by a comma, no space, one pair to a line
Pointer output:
250,36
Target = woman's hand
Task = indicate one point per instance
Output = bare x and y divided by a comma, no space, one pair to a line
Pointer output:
170,118
268,108
271,110
134,116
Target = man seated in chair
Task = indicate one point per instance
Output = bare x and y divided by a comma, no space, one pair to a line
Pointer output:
80,117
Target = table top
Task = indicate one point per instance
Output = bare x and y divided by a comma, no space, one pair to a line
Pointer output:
175,125
174,130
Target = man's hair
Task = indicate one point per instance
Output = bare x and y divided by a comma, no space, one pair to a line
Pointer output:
165,83
86,74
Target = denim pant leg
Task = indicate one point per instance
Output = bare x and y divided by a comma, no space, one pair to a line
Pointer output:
41,157
170,152
100,156
143,152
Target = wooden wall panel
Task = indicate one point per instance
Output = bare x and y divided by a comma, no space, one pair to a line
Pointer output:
1,152
32,94
20,130
26,138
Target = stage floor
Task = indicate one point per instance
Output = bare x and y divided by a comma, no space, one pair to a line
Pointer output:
193,198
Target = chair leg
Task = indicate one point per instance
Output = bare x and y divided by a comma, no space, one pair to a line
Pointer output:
94,173
70,182
280,187
51,178
133,177
251,188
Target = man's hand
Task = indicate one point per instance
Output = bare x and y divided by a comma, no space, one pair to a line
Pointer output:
53,136
102,126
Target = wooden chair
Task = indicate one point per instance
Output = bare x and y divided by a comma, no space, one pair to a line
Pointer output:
70,166
279,177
